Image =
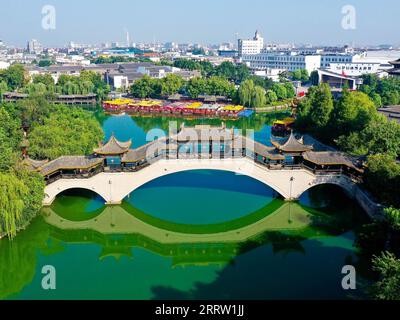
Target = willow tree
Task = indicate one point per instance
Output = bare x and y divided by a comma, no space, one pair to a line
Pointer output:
12,193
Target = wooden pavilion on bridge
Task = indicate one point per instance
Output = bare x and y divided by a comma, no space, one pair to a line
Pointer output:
199,142
113,151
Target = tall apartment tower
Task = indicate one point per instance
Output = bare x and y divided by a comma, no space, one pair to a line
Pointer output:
251,46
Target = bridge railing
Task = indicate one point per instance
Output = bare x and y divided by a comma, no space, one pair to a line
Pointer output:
141,166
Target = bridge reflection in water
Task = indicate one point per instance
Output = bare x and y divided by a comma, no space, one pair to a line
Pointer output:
118,229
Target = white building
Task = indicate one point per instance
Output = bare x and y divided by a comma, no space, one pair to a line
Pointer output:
328,59
34,47
272,74
4,65
355,69
251,46
289,61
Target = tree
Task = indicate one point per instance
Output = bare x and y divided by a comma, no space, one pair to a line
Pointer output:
46,79
143,88
388,268
7,153
14,76
280,91
246,93
11,129
34,198
300,75
86,87
171,84
290,90
321,106
220,87
382,179
196,86
314,112
271,97
379,136
65,132
45,63
258,98
353,112
11,204
3,89
314,78
392,216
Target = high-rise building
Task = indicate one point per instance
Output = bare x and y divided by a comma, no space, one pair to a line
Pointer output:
34,47
251,46
128,39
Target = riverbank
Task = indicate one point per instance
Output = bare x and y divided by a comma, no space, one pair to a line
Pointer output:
285,107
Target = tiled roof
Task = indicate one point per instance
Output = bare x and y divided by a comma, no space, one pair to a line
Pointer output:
70,162
331,158
292,145
113,146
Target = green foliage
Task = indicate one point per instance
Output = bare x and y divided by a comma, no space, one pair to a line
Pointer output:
171,84
120,59
21,195
388,268
280,90
46,79
314,78
379,136
12,191
392,216
290,90
232,72
252,96
65,132
352,112
383,92
300,75
271,97
382,179
88,82
3,88
10,128
196,86
13,76
220,87
258,98
144,87
205,67
45,63
246,93
315,111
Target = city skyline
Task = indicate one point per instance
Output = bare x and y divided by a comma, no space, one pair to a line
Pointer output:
313,23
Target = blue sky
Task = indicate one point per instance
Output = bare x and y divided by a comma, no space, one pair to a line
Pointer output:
200,21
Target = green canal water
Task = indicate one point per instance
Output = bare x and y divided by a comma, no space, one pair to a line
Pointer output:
259,246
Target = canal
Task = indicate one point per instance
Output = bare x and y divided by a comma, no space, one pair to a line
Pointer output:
193,235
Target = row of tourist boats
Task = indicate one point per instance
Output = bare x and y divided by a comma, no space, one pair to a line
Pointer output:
123,105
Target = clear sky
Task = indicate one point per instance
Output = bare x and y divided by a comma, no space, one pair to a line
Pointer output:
200,21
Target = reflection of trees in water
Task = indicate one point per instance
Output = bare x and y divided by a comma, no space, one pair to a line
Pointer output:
287,268
256,122
19,257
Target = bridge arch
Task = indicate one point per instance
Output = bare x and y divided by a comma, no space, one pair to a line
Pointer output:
114,187
183,169
343,182
51,195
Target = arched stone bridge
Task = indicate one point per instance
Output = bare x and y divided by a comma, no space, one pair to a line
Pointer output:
114,187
